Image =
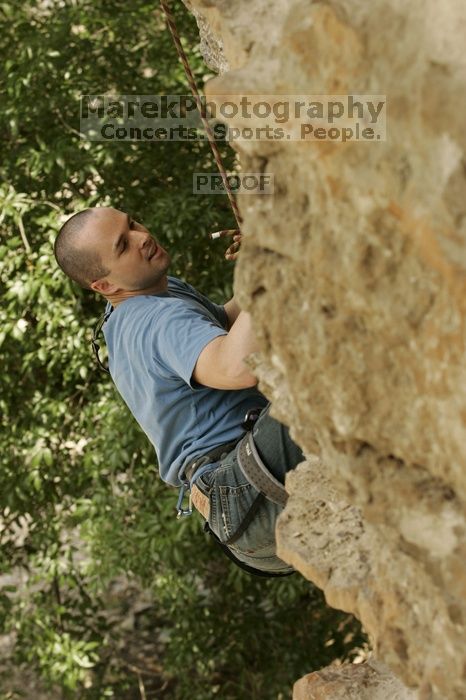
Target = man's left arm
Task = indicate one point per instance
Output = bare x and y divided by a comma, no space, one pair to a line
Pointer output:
232,310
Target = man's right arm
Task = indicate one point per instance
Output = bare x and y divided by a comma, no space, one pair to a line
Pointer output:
220,364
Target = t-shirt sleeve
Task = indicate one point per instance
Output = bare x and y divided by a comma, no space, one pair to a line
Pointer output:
182,334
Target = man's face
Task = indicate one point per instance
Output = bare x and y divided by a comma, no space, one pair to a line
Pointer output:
134,260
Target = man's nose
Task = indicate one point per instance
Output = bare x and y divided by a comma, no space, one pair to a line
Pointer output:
144,240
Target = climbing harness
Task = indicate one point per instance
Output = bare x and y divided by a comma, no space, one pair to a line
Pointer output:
193,466
250,463
256,473
231,251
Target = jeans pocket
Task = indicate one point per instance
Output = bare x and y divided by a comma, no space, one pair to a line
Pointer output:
205,482
234,504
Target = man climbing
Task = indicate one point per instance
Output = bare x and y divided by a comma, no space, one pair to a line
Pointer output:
176,358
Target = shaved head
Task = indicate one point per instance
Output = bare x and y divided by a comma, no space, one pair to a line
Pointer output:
79,262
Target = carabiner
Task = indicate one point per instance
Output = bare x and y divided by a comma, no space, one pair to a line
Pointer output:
180,511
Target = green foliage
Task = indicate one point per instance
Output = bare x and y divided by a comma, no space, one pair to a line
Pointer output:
80,499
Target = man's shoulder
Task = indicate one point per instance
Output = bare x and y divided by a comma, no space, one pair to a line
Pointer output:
138,309
141,302
176,283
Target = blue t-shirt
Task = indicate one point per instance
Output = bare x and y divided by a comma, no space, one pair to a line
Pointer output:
153,343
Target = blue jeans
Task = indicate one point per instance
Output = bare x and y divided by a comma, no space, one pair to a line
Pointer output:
231,495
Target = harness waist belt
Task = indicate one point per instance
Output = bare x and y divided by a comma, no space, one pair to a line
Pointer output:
257,473
252,466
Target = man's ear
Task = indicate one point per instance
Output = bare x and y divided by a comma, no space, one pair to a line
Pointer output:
104,287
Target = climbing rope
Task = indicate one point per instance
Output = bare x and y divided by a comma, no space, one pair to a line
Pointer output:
231,252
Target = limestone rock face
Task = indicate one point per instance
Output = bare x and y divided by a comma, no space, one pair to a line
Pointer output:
354,273
211,40
368,681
